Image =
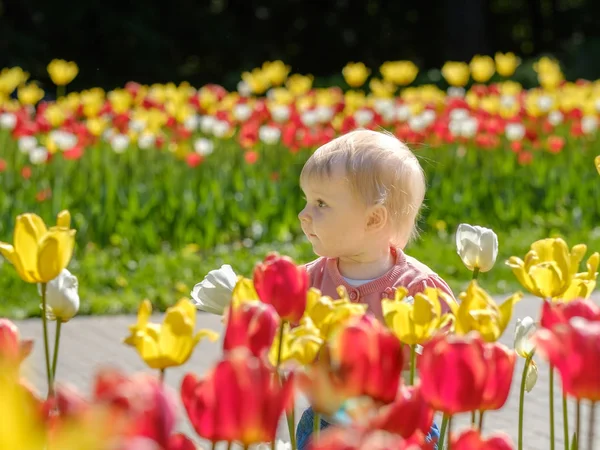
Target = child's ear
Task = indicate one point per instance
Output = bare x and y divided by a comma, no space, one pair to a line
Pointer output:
377,219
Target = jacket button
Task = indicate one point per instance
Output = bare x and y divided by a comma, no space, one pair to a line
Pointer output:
353,295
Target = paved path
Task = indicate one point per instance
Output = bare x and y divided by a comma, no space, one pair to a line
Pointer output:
89,342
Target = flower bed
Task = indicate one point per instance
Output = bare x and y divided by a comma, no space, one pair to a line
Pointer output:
281,336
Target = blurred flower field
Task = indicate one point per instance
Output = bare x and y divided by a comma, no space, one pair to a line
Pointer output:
166,182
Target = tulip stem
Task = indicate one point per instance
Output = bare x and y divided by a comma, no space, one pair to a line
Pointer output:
161,377
316,425
578,422
473,418
56,343
480,425
60,91
591,427
445,421
413,361
46,346
551,407
565,421
475,273
522,397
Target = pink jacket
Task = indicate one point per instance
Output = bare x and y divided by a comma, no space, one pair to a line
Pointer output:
407,271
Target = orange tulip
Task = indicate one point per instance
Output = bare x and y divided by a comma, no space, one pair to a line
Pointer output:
13,350
239,400
573,347
407,414
463,373
282,284
472,440
252,325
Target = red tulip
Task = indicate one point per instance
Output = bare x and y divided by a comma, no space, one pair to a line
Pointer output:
239,400
557,313
2,165
500,367
454,372
367,360
251,157
556,143
574,349
472,440
282,284
356,438
12,349
193,159
252,325
407,414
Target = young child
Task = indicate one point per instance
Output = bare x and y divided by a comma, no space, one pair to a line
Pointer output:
363,193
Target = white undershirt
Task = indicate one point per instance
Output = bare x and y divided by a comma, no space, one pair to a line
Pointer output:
356,283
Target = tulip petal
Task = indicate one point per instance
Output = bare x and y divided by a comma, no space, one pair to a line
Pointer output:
488,250
518,267
548,279
55,252
12,257
29,230
63,219
506,310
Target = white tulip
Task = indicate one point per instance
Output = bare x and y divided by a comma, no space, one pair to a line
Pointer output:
477,247
555,117
531,377
280,113
523,332
459,114
589,124
244,89
221,128
213,294
119,143
146,140
545,102
384,105
38,155
363,117
203,146
207,124
403,113
417,123
269,135
514,131
8,120
191,122
454,91
324,114
27,143
242,112
309,118
62,298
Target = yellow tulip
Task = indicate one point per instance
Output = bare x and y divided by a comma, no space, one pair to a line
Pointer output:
11,78
30,94
549,268
301,344
257,81
597,163
416,323
299,84
355,74
506,63
120,100
382,89
39,254
96,125
482,68
171,343
490,104
280,96
550,80
354,100
583,283
276,72
55,115
456,73
22,426
479,312
62,72
401,73
243,291
327,314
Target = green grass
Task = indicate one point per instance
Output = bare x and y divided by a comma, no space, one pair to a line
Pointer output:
114,280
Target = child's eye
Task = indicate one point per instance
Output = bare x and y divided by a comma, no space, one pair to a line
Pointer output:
321,204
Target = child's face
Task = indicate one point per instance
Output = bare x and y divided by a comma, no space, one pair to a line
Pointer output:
334,220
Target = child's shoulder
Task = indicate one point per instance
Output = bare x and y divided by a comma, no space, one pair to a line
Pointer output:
315,265
418,276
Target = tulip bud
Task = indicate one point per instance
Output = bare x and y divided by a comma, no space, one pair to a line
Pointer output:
282,284
531,377
470,439
213,294
477,247
523,332
62,298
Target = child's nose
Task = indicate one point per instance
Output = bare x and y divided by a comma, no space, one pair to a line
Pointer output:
303,216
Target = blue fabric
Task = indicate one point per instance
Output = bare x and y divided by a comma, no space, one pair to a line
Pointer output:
305,429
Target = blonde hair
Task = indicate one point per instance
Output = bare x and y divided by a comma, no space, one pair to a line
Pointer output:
381,170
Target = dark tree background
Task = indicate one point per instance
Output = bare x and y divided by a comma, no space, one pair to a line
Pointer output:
201,41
